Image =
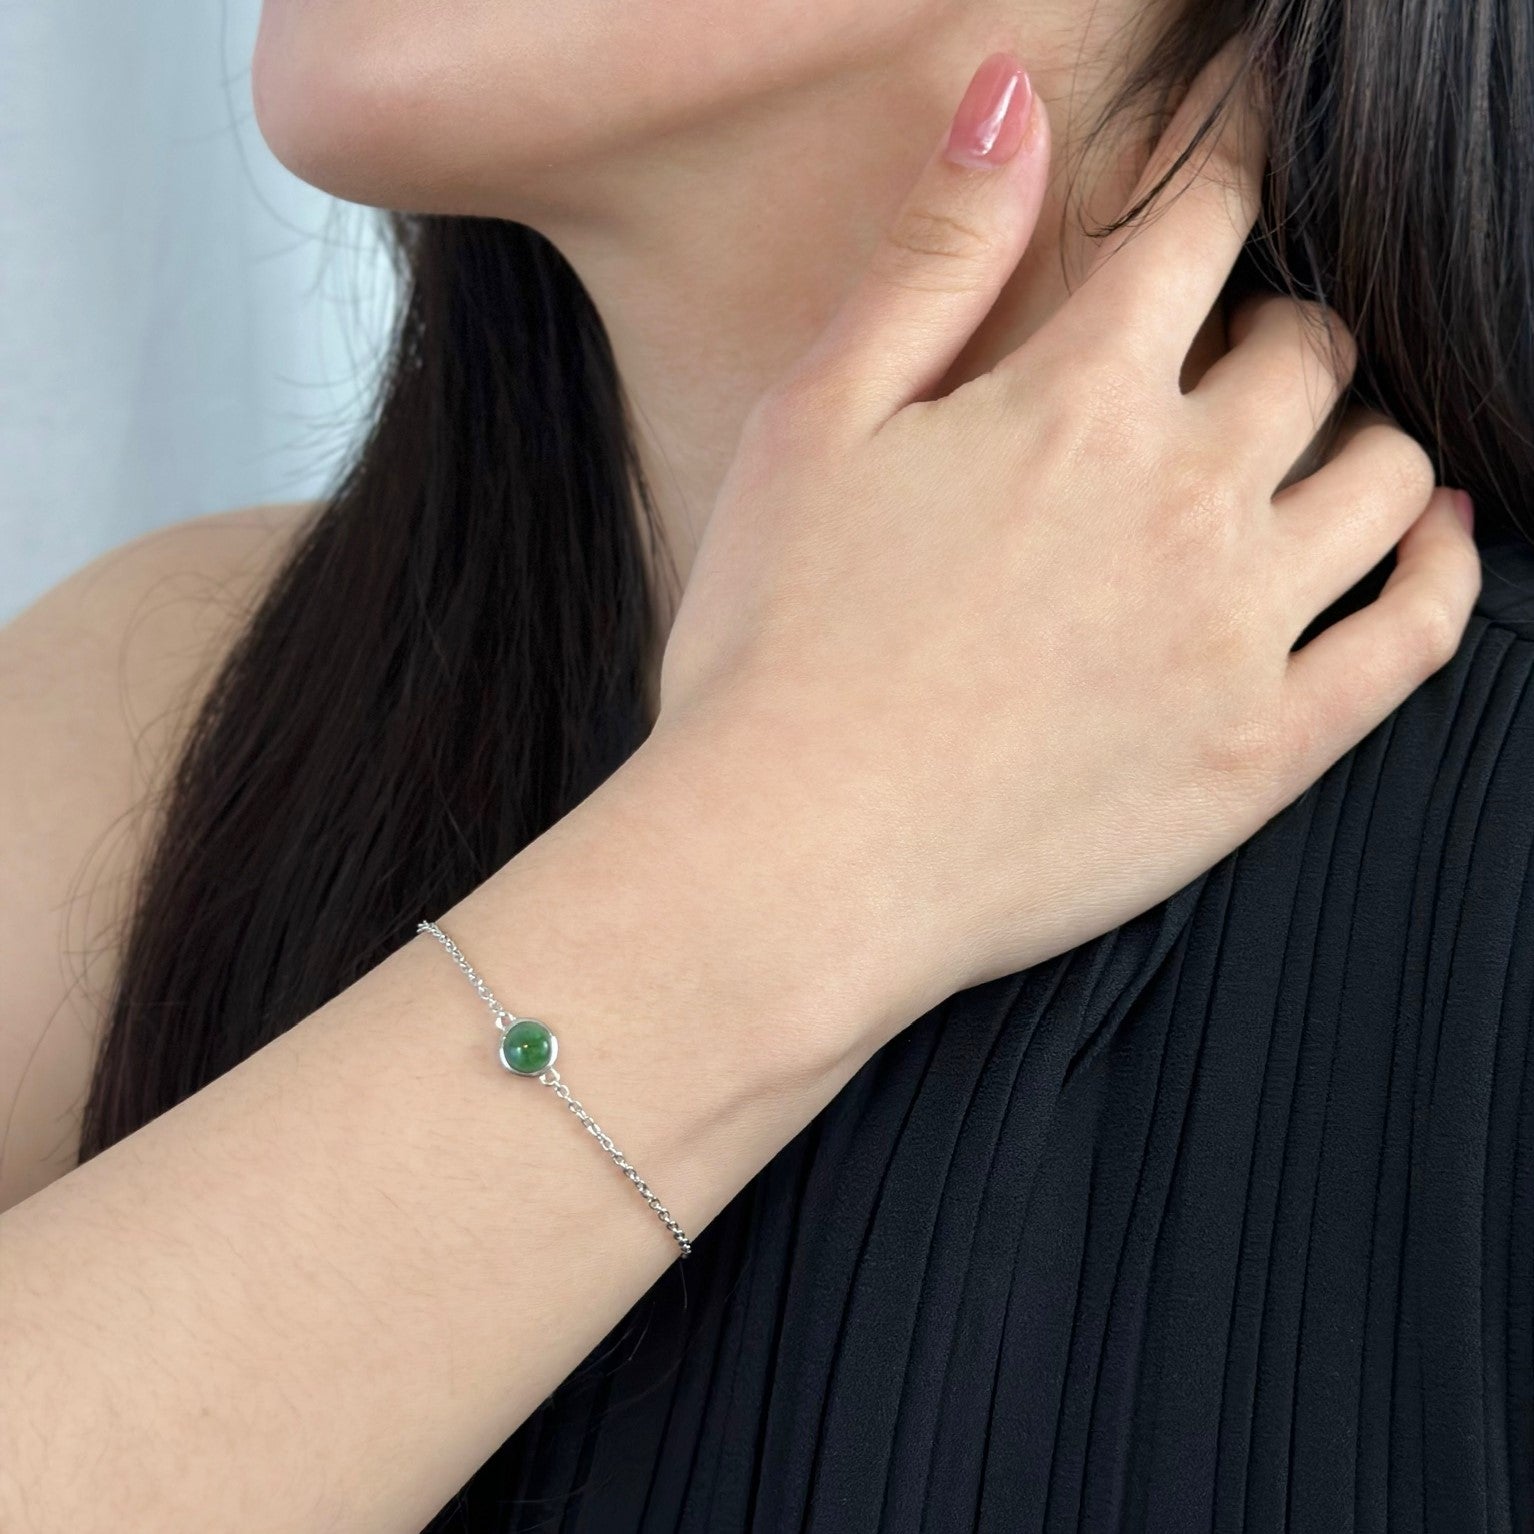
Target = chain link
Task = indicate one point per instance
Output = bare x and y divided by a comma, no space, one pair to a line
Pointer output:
552,1079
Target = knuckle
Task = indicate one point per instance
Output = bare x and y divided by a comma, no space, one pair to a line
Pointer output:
1323,328
1212,165
797,412
1108,362
933,250
1473,576
1100,409
774,421
1410,475
1368,436
1434,627
1294,754
1220,172
1202,507
1302,739
1243,750
1305,353
1344,346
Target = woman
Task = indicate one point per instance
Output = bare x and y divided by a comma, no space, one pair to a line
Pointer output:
1080,1047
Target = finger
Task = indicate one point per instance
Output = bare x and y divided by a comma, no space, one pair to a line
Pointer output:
1338,524
1356,672
1288,364
939,266
1158,278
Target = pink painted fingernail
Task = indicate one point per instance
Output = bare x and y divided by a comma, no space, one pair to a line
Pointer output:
988,127
1466,509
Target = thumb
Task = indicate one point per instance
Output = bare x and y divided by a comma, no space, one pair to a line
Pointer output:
939,266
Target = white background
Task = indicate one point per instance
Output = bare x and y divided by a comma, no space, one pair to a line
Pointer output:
184,326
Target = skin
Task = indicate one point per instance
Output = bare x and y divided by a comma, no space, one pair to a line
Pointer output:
654,189
716,198
230,1318
99,680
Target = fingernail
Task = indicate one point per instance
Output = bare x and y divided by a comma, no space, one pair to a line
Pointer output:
1466,509
988,127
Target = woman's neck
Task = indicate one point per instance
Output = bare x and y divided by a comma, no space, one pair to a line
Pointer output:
714,258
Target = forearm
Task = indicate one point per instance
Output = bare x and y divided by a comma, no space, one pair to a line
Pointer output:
320,1292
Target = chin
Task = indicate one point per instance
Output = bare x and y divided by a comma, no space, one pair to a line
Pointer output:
501,106
389,111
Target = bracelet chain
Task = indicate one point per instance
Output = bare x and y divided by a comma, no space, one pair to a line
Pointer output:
551,1078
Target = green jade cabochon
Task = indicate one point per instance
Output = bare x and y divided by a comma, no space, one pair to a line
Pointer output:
527,1047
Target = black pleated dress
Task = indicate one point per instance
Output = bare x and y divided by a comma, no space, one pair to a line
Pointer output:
1223,1220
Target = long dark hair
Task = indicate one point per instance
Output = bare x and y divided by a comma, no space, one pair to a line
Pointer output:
453,655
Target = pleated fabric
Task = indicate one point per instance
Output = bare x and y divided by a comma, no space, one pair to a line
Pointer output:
1224,1220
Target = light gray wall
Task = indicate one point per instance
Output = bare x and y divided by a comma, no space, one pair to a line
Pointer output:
184,326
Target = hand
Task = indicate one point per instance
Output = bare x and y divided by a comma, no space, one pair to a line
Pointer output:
1016,659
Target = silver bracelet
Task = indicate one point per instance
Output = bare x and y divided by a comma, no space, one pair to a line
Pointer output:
528,1048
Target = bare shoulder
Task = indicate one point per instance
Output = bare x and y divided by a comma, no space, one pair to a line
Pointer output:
99,679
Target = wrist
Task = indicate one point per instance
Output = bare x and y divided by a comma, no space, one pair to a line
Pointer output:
798,845
705,1006
706,857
